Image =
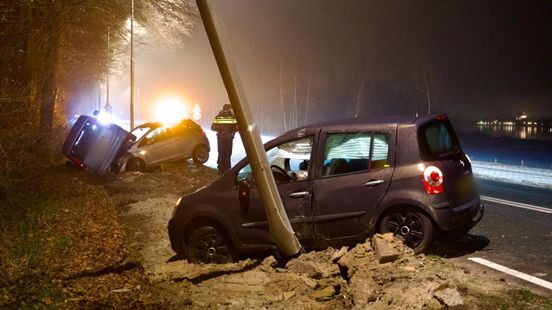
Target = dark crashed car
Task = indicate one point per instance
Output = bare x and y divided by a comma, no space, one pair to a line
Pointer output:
340,182
96,147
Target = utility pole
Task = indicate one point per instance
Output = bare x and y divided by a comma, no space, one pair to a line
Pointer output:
132,66
278,222
107,106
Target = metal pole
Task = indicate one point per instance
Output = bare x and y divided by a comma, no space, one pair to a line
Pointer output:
99,96
132,66
278,222
107,78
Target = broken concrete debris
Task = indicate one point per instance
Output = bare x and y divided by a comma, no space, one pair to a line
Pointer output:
383,245
378,273
450,298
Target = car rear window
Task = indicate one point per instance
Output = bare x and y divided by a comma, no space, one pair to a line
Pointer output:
438,140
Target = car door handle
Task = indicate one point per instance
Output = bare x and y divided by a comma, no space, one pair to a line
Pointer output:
298,194
373,183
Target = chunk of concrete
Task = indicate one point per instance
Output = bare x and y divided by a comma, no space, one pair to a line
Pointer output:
314,265
363,289
384,248
450,298
324,294
337,255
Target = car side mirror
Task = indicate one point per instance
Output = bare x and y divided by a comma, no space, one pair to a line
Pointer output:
243,193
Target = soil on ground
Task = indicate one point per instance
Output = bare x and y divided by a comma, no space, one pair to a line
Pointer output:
91,243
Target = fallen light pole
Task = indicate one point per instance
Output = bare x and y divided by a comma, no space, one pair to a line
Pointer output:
278,222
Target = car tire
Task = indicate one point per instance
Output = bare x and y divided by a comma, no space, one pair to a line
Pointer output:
136,164
208,245
200,154
409,224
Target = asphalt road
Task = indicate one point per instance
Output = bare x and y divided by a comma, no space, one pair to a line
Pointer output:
511,236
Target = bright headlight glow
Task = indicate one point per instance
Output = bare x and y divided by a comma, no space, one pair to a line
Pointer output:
170,110
105,118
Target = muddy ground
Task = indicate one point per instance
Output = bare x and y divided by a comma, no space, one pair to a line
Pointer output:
107,246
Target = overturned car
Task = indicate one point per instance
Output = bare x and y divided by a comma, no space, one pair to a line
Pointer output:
340,182
94,146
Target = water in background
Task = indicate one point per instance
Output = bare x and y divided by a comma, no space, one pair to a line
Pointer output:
506,144
516,132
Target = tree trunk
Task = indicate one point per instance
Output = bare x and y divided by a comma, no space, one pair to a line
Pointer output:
48,87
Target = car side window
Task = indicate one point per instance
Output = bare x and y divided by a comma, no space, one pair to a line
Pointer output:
183,128
159,134
289,161
355,152
380,151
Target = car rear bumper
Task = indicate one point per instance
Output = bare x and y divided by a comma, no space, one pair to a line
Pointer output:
465,215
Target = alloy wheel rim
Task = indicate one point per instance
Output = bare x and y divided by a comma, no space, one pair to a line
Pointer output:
211,248
408,227
203,156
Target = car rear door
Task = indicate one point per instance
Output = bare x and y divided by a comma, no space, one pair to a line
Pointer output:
187,133
353,172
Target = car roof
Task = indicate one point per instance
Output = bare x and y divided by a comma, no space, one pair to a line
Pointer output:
159,124
150,125
384,121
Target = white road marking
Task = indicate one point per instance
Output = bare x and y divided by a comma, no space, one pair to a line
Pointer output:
512,272
517,204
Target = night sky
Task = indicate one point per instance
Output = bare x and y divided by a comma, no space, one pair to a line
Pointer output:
482,58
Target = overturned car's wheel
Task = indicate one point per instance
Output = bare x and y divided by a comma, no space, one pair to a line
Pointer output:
135,164
410,225
200,154
209,245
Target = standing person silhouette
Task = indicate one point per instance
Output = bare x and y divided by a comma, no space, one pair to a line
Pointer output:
225,125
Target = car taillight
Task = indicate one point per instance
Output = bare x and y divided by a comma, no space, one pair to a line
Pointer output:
433,180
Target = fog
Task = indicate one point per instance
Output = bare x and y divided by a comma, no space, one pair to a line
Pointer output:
306,61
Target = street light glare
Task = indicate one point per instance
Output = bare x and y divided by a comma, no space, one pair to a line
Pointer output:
170,109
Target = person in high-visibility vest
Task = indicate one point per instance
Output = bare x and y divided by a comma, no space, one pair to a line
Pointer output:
225,125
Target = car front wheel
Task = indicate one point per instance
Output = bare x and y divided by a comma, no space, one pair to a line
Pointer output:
136,164
409,225
207,245
200,154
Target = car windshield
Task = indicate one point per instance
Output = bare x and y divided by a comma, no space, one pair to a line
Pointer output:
438,140
139,132
290,156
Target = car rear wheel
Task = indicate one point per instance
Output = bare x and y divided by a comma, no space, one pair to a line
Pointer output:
409,225
208,245
135,164
200,154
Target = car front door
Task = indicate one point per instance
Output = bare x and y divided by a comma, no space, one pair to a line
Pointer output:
289,163
157,146
353,172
